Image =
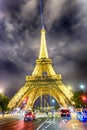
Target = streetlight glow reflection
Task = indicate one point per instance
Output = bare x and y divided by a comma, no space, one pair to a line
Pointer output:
1,90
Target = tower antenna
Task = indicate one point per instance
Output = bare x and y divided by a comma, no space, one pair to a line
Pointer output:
41,14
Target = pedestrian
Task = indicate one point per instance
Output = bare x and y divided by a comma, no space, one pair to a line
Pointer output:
47,113
52,112
3,113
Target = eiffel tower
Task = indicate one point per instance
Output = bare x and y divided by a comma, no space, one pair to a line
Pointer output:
43,81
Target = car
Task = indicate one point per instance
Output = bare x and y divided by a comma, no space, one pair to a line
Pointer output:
78,109
82,115
29,115
65,113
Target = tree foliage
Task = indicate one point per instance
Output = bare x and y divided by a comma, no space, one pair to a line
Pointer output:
77,98
4,100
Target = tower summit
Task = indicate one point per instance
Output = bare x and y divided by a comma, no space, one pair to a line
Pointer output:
43,48
43,81
43,64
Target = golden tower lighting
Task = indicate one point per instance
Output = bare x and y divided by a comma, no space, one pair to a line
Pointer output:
43,80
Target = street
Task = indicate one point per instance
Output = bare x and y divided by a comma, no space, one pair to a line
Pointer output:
62,124
15,122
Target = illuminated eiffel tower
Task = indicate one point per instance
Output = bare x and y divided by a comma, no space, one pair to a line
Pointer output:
43,81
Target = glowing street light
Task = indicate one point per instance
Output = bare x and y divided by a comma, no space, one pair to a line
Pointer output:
69,87
82,86
53,101
1,90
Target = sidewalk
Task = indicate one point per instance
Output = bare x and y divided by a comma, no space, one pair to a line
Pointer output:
10,115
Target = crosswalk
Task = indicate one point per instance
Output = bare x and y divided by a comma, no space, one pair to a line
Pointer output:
45,125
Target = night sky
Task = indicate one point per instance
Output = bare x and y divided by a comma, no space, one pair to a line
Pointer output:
66,25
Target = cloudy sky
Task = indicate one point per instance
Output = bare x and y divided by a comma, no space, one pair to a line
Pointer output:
66,25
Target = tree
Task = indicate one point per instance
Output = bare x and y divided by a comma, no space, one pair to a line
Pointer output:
4,100
80,98
56,107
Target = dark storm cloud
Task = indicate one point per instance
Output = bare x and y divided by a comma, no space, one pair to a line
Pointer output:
66,26
9,67
72,41
10,6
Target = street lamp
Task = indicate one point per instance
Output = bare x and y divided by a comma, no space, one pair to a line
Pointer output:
70,87
53,101
1,90
82,86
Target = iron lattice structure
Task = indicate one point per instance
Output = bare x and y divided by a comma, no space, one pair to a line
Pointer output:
43,81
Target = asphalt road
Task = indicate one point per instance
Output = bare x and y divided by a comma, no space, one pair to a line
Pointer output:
62,124
15,122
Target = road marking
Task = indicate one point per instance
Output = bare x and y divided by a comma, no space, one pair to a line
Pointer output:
41,125
50,121
38,120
